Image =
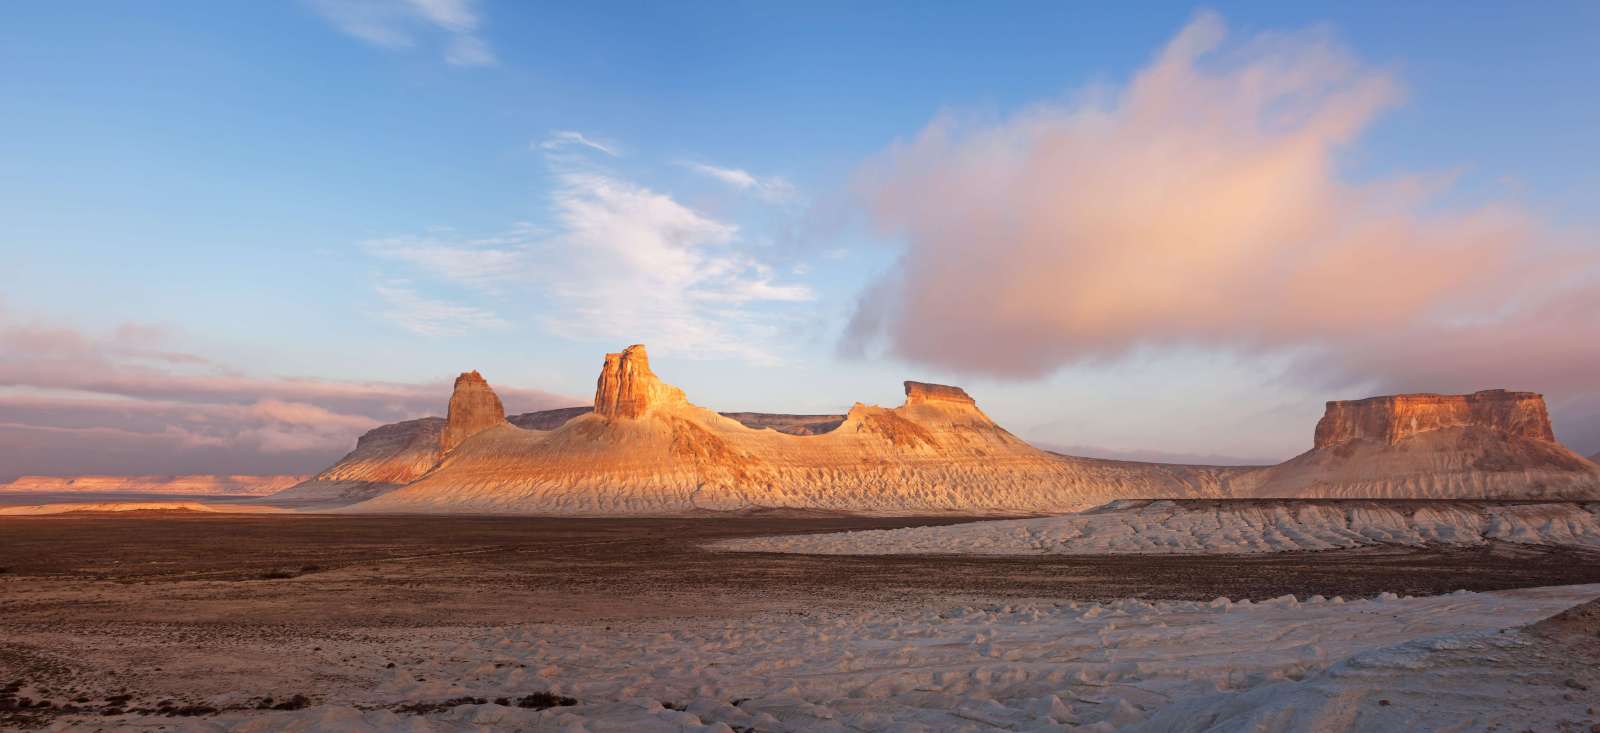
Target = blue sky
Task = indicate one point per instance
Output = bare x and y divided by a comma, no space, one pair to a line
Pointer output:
394,192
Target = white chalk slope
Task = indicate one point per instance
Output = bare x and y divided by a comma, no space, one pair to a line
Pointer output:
1200,527
1282,665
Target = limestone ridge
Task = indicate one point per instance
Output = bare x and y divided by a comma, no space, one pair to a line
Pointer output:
1393,418
474,408
628,389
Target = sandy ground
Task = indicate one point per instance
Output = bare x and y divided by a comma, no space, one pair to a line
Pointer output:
200,620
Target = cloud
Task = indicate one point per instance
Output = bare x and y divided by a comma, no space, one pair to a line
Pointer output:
78,402
622,262
772,190
560,139
397,24
430,316
1202,205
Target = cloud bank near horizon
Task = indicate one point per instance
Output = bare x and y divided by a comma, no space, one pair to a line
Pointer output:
1202,205
77,402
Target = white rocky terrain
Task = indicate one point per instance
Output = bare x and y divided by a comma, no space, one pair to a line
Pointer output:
644,449
187,484
1213,527
1457,662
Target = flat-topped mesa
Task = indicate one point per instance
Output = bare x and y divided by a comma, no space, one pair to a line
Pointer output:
474,408
922,392
1393,418
627,388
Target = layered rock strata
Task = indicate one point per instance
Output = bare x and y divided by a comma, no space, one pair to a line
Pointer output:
1492,444
1394,418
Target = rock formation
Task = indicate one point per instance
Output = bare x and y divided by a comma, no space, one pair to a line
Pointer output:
1394,418
187,485
474,408
1486,445
921,392
548,419
385,458
628,389
645,449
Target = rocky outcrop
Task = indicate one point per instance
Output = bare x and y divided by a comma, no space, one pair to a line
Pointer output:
1393,418
474,408
918,393
628,389
187,485
1486,445
646,450
386,458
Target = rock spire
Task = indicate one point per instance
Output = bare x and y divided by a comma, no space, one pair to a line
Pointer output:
474,407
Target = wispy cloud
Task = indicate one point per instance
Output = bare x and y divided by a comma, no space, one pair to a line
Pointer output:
772,190
398,24
431,316
560,139
621,262
1202,205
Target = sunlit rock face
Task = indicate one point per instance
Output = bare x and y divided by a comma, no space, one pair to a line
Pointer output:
645,449
628,389
1393,418
474,407
922,392
1493,444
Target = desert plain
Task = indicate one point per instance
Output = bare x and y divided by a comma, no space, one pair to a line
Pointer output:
184,620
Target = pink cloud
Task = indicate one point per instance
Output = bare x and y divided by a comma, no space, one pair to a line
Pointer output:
73,402
1201,205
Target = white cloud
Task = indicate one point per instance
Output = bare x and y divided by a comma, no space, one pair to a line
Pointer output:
431,317
623,263
772,190
397,24
566,138
487,263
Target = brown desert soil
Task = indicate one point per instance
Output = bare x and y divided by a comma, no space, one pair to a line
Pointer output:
173,607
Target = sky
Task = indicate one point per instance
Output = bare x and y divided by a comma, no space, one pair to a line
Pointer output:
238,235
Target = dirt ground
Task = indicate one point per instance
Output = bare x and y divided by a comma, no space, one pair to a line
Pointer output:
164,607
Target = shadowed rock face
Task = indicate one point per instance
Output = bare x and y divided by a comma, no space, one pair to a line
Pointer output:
547,419
1393,418
474,407
918,393
628,389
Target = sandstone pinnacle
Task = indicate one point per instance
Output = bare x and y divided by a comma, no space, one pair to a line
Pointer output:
474,407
